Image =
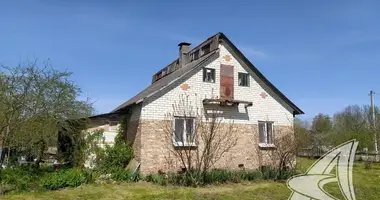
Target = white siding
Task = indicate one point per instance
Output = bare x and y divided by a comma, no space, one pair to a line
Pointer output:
271,108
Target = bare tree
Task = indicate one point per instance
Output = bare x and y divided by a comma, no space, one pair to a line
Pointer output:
280,154
196,137
284,157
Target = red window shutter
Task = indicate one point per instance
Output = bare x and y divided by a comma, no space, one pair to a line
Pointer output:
227,82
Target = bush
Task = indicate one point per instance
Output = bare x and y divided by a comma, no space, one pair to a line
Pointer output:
121,174
158,179
23,178
367,164
268,173
67,178
253,175
224,176
20,179
117,156
217,176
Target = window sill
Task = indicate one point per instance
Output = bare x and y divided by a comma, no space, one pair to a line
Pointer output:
265,145
180,144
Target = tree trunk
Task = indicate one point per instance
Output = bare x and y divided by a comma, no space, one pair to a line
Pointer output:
9,149
40,152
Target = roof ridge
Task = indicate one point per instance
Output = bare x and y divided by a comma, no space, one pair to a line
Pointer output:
163,81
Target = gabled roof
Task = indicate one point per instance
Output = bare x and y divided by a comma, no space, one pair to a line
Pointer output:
175,75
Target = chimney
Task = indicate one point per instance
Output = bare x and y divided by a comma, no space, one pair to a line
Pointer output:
184,48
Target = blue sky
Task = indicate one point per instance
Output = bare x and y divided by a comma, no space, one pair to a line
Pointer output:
324,55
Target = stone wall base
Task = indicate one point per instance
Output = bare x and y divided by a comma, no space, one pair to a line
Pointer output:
155,152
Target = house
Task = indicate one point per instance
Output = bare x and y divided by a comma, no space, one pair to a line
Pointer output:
213,73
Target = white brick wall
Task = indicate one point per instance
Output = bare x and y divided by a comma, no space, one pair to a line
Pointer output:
271,108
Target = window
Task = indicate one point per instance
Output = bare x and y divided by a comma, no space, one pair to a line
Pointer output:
243,79
196,55
184,133
209,75
266,132
206,49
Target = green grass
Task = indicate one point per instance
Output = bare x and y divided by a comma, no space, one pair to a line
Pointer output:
366,183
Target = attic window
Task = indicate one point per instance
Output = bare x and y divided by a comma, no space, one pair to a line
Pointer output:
206,49
158,75
196,55
243,79
209,75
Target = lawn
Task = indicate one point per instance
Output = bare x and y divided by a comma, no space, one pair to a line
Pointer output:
366,183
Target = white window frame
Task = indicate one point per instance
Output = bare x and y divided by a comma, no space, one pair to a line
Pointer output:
266,134
184,143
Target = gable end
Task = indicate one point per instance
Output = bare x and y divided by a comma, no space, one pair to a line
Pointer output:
223,38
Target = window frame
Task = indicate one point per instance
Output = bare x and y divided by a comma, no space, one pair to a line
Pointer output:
212,74
206,49
184,143
268,138
247,77
196,55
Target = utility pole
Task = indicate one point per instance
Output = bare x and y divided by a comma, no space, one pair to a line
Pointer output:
373,119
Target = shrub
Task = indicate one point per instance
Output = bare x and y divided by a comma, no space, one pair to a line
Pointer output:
223,176
268,173
217,176
117,156
367,164
158,179
66,178
121,174
135,177
252,175
22,178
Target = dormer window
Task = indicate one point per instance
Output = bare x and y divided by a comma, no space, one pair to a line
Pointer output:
196,55
206,49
